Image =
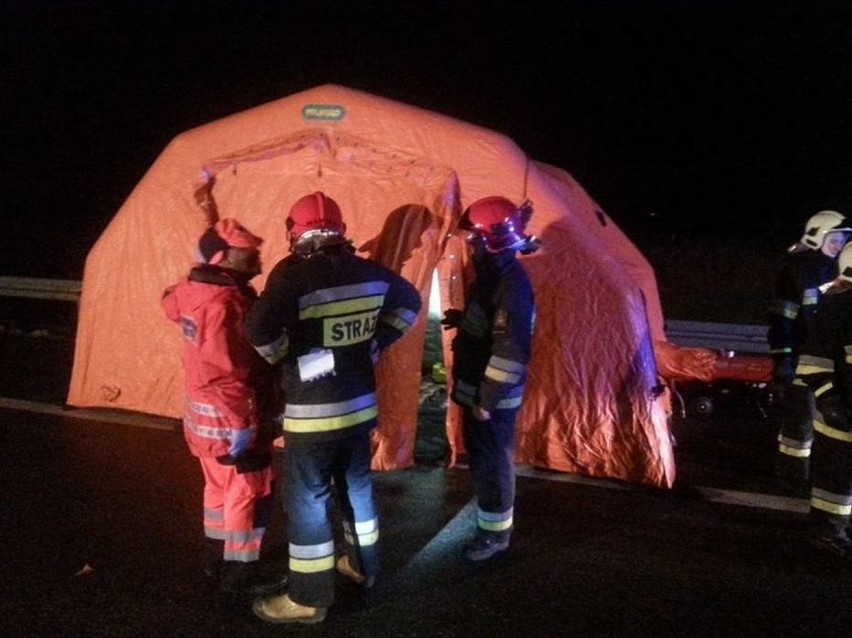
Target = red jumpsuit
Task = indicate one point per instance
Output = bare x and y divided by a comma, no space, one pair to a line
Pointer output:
221,418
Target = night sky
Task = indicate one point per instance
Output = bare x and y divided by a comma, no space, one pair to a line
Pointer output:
692,117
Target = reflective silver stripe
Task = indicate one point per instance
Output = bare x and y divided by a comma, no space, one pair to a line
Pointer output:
795,443
211,514
509,402
242,555
810,296
310,559
273,352
366,531
504,370
349,291
204,409
241,537
205,431
312,551
323,410
400,318
787,309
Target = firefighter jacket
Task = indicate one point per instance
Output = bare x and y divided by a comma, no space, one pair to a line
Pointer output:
825,362
492,347
220,365
797,294
324,318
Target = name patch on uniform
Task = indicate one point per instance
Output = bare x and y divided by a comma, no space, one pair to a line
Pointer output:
345,331
316,364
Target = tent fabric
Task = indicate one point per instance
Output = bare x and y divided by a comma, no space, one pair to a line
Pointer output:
402,176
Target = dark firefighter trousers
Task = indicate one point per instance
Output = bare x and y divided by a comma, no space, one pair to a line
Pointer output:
831,470
490,449
795,438
313,473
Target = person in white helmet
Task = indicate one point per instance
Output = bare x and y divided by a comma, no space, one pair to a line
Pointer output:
825,365
810,264
491,350
323,318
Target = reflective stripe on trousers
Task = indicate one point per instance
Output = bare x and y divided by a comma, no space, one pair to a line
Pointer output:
490,448
312,471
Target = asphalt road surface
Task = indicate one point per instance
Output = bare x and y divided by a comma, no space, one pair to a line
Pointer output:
101,535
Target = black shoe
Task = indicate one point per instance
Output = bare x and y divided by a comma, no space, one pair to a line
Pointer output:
246,578
484,547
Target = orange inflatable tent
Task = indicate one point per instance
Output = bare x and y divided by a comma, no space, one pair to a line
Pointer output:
402,176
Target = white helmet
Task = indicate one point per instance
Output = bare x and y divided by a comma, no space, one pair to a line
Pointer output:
844,263
820,225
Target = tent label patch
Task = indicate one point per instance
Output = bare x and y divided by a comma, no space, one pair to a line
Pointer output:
329,112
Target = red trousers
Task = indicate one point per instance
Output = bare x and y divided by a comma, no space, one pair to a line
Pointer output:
236,507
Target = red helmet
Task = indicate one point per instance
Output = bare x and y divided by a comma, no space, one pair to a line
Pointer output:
316,211
498,222
314,221
224,234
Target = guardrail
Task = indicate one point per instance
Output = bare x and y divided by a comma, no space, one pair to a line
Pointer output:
58,289
689,334
740,338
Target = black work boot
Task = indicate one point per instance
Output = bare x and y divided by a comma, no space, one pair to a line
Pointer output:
211,557
485,545
247,578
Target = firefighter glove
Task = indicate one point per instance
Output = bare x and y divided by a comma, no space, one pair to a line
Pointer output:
452,319
241,440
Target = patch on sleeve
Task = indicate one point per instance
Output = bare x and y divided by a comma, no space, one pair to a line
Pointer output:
188,328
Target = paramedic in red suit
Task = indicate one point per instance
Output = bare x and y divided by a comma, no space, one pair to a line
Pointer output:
491,351
810,264
323,318
221,420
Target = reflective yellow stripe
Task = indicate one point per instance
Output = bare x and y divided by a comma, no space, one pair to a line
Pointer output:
805,368
495,526
328,424
312,566
832,433
831,508
823,389
790,451
501,376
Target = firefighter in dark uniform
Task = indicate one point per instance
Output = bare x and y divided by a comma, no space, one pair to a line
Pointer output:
811,263
491,351
825,362
324,317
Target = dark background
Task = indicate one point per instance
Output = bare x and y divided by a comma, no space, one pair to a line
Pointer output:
689,122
